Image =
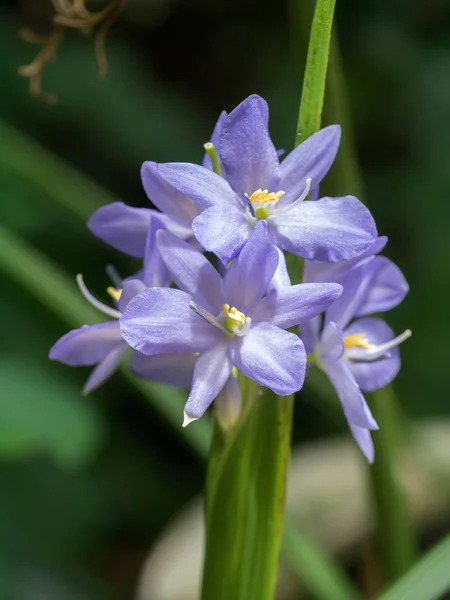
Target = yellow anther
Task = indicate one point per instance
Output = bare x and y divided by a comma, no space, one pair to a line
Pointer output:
357,340
115,294
233,313
255,195
262,197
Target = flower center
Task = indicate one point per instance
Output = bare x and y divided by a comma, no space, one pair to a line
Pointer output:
233,320
229,320
262,201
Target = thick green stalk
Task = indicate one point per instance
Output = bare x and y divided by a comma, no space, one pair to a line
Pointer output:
314,79
395,538
245,502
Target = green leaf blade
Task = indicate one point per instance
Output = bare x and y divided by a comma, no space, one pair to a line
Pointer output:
428,579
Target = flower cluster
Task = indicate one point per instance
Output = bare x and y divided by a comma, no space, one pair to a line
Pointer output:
193,324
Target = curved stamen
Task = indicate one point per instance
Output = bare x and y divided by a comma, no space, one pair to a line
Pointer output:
297,202
372,352
239,331
107,310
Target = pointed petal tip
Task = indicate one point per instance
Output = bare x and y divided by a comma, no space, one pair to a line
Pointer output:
187,419
253,98
369,454
336,128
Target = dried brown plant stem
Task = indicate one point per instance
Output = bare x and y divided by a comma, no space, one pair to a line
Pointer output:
69,14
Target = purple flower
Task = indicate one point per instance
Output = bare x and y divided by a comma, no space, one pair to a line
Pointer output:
103,345
234,321
359,354
255,186
371,283
125,228
325,271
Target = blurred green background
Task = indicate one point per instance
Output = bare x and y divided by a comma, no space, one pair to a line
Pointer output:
88,483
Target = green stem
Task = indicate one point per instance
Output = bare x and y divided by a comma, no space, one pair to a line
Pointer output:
245,502
395,537
395,541
313,93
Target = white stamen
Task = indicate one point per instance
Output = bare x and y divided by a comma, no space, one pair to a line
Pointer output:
107,310
298,201
374,352
304,194
187,419
201,312
243,330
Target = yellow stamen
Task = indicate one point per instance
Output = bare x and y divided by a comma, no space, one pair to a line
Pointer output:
115,294
233,313
357,340
264,197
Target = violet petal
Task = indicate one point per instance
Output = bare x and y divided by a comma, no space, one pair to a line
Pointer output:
272,357
160,321
248,155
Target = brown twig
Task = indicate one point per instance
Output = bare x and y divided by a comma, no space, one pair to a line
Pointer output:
69,14
34,70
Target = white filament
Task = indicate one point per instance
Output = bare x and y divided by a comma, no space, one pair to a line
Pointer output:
107,310
201,312
298,201
373,352
242,330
